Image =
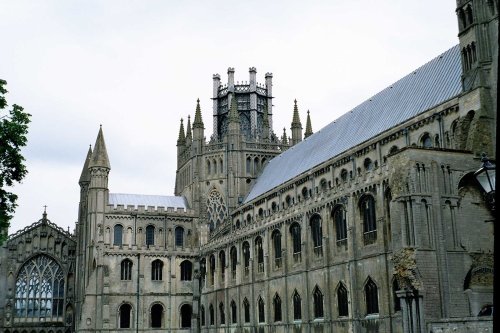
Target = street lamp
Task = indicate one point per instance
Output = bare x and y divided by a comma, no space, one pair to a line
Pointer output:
485,176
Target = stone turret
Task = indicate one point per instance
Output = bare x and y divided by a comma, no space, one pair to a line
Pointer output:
309,130
296,126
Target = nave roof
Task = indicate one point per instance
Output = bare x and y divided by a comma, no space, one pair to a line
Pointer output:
430,85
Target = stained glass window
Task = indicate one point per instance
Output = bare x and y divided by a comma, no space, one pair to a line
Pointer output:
40,289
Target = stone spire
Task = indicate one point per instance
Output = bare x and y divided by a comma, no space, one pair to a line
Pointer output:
99,156
181,140
296,125
85,175
309,130
233,111
284,138
198,122
189,135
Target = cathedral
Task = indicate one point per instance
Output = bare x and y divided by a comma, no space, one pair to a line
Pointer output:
374,223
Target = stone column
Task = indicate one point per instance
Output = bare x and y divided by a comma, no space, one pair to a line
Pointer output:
411,306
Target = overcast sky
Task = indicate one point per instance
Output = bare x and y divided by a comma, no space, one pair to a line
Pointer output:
137,68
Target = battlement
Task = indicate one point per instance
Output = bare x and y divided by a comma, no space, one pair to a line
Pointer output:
142,209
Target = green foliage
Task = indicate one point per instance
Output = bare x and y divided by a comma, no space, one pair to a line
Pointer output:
13,131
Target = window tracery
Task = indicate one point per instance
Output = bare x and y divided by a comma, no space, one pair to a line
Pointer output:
216,209
40,289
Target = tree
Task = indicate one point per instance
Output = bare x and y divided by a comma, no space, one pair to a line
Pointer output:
13,131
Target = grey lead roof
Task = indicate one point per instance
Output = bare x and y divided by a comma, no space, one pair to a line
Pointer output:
147,200
435,82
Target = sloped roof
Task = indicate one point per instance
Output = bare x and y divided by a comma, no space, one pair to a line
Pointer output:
147,200
434,83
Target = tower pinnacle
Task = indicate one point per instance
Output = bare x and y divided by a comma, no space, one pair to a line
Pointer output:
198,122
309,130
99,156
181,140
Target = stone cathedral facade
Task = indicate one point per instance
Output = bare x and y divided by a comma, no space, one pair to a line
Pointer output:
372,224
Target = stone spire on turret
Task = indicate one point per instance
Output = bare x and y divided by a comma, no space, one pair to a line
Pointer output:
233,111
181,140
296,125
296,119
189,136
99,156
85,175
284,138
198,122
309,130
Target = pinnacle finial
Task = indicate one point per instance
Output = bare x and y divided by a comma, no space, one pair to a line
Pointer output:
309,130
198,122
181,140
296,119
99,156
189,136
284,138
44,215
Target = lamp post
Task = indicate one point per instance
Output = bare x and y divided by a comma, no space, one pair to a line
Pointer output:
485,176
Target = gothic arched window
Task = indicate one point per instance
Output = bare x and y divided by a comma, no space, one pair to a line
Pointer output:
212,314
212,269
156,316
367,207
277,307
234,261
150,235
339,218
316,231
234,314
246,307
157,270
186,270
371,296
40,289
222,263
276,237
222,313
296,238
118,235
342,300
126,270
216,209
297,306
259,253
202,312
260,306
246,257
125,314
179,236
318,303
